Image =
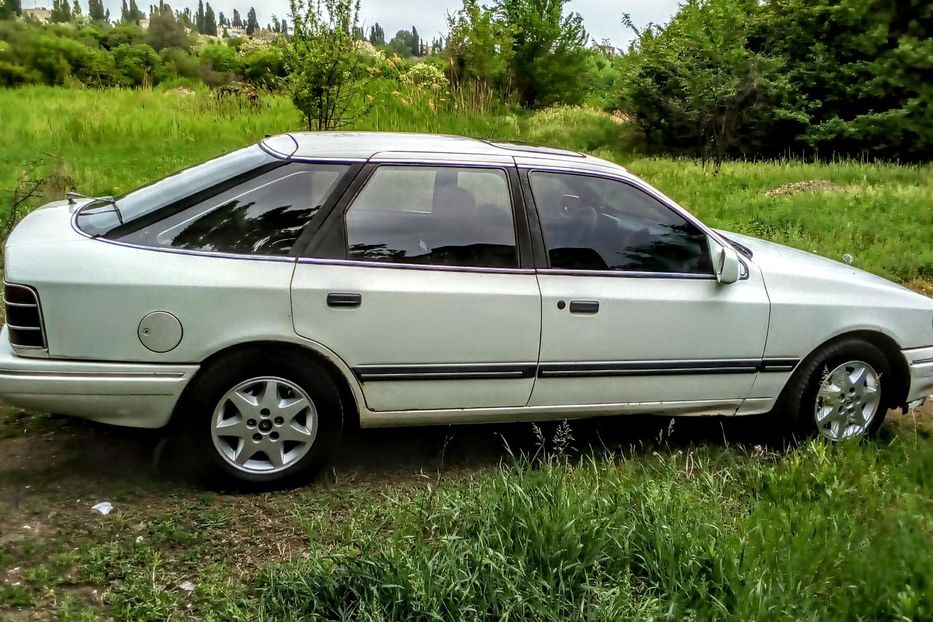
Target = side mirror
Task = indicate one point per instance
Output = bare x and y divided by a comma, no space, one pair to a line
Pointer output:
727,264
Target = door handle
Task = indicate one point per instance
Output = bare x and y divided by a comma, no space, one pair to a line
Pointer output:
344,299
584,306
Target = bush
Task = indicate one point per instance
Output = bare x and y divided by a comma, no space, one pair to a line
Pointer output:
264,67
137,63
222,58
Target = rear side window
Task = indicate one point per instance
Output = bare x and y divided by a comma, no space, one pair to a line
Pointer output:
434,215
595,223
101,218
262,215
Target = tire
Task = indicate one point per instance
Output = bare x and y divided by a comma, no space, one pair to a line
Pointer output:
819,377
246,407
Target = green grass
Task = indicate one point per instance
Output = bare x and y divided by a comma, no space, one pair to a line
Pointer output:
821,533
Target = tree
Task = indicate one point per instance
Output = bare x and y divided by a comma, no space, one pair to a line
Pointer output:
165,31
199,17
694,86
210,22
479,48
10,9
377,35
284,27
61,12
237,22
415,42
76,10
548,60
130,14
857,76
96,11
401,43
326,75
252,24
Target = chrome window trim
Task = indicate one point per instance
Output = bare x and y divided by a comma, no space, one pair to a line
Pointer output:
631,274
631,180
410,266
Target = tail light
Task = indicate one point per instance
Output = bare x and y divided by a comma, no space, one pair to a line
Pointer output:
23,317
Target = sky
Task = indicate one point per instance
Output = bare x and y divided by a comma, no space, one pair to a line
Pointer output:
602,18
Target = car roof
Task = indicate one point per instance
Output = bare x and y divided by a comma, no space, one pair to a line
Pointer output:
365,145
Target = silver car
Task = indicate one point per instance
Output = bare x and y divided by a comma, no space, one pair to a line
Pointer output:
265,300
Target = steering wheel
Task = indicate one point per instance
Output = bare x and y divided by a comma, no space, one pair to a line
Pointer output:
585,220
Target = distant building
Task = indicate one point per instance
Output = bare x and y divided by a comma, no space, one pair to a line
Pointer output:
236,32
144,23
41,15
605,49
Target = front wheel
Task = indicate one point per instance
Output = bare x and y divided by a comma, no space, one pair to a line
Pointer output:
839,393
262,421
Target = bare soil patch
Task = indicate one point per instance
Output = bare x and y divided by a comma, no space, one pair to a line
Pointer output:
813,185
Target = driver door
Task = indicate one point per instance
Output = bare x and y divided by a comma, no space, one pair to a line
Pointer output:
632,312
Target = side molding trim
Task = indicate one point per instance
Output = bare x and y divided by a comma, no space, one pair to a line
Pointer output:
503,371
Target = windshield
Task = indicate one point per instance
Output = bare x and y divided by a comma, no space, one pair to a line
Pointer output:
99,217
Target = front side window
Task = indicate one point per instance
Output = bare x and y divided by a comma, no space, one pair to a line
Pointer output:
433,215
262,215
594,223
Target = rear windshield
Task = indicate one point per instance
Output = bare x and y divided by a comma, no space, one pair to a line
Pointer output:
99,218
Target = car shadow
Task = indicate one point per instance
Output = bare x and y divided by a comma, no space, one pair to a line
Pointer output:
63,452
450,447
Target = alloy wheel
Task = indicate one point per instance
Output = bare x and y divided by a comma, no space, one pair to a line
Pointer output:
848,401
264,425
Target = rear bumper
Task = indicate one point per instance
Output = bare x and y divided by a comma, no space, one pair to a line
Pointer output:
920,364
129,394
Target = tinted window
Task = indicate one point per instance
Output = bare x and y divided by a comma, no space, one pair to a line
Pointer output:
100,218
261,216
433,215
592,223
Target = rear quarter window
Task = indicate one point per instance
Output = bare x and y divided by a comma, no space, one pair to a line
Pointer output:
262,215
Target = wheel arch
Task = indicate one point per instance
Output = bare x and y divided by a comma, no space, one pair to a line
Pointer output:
339,372
892,353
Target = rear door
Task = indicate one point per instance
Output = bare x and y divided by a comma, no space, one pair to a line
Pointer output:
422,281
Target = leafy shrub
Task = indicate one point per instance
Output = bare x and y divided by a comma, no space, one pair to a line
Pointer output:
137,63
424,75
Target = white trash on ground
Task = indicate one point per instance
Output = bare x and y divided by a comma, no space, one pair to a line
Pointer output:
104,507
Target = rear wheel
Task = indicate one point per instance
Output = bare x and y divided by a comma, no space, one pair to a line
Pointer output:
839,393
263,420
